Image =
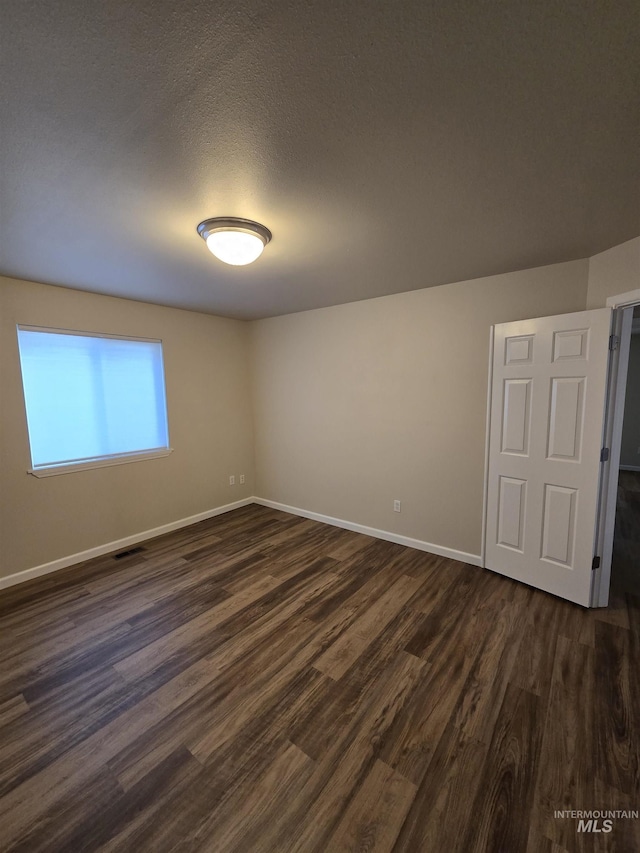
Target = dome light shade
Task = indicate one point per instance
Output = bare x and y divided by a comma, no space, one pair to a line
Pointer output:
235,247
234,241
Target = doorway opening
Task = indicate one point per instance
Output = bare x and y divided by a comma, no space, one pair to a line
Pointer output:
616,515
625,562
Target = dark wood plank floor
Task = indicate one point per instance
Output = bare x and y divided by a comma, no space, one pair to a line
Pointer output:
260,682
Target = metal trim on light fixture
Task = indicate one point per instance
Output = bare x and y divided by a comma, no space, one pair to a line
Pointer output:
233,223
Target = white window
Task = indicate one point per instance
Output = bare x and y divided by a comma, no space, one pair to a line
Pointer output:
91,400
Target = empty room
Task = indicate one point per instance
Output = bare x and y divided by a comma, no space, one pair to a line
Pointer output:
318,426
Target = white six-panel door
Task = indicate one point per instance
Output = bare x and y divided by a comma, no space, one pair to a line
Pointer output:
547,411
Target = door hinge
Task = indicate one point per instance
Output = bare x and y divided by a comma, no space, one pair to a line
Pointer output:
614,342
604,454
595,564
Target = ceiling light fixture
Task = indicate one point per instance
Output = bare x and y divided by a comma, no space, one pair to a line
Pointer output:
233,240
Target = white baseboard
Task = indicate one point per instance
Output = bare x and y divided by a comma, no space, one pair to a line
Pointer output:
117,545
418,544
630,467
120,544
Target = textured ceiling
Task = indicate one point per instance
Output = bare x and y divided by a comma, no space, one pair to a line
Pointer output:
389,146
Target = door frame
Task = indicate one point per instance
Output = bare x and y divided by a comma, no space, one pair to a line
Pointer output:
623,305
485,485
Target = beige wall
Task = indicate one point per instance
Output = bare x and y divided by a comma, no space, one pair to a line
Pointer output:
631,425
354,406
210,423
612,272
385,399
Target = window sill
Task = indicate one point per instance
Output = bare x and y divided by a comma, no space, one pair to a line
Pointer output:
121,459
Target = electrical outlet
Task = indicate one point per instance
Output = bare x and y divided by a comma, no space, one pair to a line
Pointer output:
232,480
242,479
396,506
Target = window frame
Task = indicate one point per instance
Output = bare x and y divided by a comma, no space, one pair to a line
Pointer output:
108,460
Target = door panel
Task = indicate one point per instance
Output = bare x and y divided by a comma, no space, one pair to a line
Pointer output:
566,418
570,344
547,410
559,525
511,513
515,423
519,350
